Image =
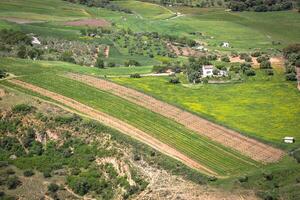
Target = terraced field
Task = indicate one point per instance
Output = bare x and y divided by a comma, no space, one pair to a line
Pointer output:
217,158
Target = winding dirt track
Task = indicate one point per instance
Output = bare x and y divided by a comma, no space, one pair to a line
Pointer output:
247,146
117,124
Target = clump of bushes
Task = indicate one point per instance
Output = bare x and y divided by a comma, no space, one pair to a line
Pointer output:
225,59
174,80
136,75
3,74
22,108
28,173
130,63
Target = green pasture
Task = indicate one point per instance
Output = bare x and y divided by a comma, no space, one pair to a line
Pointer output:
21,67
245,31
267,108
146,10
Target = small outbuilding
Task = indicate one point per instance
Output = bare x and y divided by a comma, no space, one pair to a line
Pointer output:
225,44
289,140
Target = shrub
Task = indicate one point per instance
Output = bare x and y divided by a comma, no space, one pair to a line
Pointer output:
28,173
260,59
131,63
47,173
174,80
13,182
136,75
250,72
256,54
291,77
248,59
3,74
22,108
269,72
268,176
225,59
53,187
265,65
243,179
296,155
111,64
99,63
67,56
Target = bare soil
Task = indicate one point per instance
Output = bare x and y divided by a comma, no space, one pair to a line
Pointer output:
247,146
89,22
117,124
277,62
162,185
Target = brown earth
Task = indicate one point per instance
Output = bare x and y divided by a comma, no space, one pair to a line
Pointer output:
247,146
277,62
184,51
89,22
117,124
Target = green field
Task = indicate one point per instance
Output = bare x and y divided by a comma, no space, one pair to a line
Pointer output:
210,154
262,107
245,31
146,10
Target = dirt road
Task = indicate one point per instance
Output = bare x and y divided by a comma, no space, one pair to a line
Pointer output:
117,124
247,146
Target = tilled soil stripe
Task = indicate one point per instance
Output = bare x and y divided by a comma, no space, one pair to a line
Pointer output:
117,124
247,146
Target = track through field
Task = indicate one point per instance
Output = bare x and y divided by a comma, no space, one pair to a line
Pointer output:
249,147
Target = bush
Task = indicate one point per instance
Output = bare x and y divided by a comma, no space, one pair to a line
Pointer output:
225,59
269,72
47,173
53,187
174,80
67,56
136,75
260,59
291,77
250,72
243,179
111,64
13,182
99,63
28,173
129,63
248,59
268,176
3,74
22,108
256,54
265,65
296,155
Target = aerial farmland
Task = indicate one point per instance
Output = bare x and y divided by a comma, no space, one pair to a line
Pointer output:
160,99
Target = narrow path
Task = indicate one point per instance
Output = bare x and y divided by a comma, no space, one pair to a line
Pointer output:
247,146
117,124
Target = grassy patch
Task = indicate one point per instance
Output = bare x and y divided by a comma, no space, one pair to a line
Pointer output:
263,107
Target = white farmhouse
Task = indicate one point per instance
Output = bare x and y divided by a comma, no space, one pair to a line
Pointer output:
207,70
